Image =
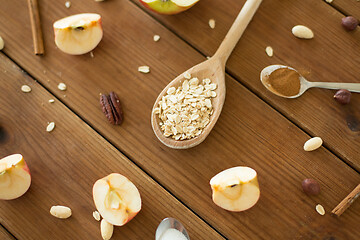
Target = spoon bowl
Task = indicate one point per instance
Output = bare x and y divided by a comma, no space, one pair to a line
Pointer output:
265,73
304,84
170,223
213,68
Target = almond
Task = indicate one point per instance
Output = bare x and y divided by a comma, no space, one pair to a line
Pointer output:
60,211
303,32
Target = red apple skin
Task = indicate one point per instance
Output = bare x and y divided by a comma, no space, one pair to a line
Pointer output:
181,9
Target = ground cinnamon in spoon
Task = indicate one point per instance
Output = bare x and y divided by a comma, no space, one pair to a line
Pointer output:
284,81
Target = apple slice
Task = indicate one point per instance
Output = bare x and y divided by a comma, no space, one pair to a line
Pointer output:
116,198
168,7
235,189
15,177
78,34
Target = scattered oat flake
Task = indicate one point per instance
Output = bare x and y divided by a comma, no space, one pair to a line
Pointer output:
208,57
62,86
51,100
67,4
50,127
96,215
25,88
320,209
156,38
91,54
144,69
330,1
212,23
187,75
269,51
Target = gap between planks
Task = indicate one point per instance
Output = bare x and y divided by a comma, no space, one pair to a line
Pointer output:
6,231
112,144
297,124
340,10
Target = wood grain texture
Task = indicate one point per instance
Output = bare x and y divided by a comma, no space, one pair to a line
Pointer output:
348,7
65,164
330,57
248,132
4,235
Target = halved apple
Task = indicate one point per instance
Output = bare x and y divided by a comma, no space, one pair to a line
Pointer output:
15,177
168,7
78,34
235,189
116,198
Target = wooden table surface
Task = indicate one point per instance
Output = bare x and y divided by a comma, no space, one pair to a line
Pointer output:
256,129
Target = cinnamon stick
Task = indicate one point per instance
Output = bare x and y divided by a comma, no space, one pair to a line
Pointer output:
36,27
344,204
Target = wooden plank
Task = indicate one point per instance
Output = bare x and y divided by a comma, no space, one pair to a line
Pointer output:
348,7
330,56
4,235
249,132
65,164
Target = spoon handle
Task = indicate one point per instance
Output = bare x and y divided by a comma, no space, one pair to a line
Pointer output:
237,29
352,87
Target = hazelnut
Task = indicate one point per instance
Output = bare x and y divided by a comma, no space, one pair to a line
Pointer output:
343,96
349,23
310,186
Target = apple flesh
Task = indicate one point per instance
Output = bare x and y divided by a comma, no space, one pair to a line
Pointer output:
117,199
235,189
15,177
78,34
168,7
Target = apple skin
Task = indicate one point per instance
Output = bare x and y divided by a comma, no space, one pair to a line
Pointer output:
171,10
9,172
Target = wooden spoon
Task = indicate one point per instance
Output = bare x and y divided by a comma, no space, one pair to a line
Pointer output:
213,68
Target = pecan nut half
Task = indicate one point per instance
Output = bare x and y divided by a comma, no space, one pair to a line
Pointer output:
111,107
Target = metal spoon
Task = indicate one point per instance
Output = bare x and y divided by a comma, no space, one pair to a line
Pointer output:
169,223
214,68
304,84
